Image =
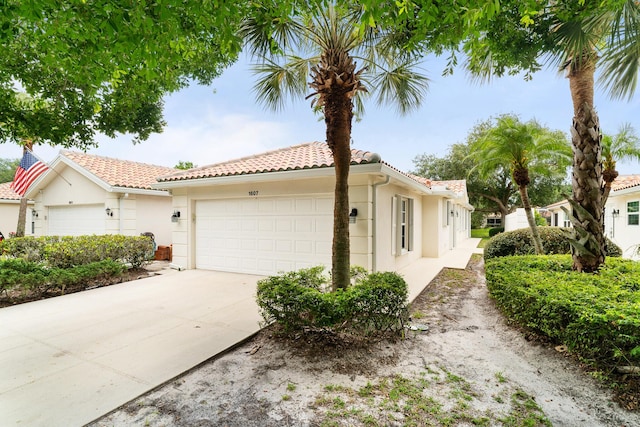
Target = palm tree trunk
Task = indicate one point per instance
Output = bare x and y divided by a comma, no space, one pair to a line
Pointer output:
535,235
588,221
338,113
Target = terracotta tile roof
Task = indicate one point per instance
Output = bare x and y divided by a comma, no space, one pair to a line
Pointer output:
119,173
458,186
422,180
303,156
7,193
623,182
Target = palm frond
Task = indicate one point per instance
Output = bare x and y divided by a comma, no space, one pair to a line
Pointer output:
268,36
278,83
621,59
401,85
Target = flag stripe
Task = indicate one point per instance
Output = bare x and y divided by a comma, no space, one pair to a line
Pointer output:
29,170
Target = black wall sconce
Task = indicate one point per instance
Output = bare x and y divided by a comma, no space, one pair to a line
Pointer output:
109,212
175,216
34,214
352,215
615,213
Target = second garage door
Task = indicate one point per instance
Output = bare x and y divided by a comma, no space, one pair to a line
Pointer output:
76,220
264,235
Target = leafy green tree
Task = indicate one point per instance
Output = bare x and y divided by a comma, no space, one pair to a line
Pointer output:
527,149
517,36
625,145
8,169
495,193
184,165
326,45
104,66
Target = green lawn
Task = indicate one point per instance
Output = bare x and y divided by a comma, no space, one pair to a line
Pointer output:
482,233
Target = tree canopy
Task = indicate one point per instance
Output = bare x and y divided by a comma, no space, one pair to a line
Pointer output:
104,66
494,192
8,169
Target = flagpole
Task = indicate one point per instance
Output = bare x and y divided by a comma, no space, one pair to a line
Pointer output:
50,168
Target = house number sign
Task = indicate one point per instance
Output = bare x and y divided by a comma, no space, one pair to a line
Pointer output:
253,193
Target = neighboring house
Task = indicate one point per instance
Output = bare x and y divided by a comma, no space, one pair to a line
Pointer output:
273,212
9,209
86,194
516,220
621,214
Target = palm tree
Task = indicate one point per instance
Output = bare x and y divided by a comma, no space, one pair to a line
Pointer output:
578,37
625,145
527,148
606,38
326,45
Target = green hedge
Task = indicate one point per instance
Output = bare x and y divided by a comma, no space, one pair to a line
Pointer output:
33,278
519,242
67,251
596,315
299,301
495,231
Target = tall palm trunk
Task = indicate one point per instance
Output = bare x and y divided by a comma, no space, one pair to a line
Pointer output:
521,178
587,214
336,81
535,235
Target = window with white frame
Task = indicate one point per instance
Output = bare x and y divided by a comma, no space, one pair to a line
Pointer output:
402,224
566,221
633,213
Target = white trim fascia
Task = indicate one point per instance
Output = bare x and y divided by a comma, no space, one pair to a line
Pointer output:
625,191
82,171
16,201
140,191
368,168
250,177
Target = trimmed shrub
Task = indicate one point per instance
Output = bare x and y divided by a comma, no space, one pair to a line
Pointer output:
519,242
495,230
31,277
595,315
68,251
299,301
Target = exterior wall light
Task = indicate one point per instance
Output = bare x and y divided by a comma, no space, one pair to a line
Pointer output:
175,216
352,216
34,214
109,212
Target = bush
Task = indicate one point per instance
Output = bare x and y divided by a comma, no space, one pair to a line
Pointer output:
298,301
519,242
31,277
596,315
66,252
495,230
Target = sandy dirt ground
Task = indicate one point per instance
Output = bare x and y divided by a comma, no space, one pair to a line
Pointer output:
468,365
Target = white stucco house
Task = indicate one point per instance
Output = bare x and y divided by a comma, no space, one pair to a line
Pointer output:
273,212
622,214
9,209
84,194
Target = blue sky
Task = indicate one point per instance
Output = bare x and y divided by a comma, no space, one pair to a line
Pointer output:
210,124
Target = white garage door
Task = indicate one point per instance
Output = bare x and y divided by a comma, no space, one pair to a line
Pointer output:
265,235
76,220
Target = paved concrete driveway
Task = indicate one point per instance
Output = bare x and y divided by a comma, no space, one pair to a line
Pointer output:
68,360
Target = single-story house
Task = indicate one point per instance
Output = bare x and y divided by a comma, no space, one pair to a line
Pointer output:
273,212
622,214
84,194
9,209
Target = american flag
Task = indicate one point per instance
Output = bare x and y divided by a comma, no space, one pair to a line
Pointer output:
30,168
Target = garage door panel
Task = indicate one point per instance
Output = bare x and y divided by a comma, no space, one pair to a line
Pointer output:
263,236
76,220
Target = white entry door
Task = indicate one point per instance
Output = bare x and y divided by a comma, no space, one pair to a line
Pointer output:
264,235
76,220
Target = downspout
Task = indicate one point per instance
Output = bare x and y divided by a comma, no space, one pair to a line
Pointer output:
374,222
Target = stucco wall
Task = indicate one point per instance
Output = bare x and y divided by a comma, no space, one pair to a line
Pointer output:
618,229
9,217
